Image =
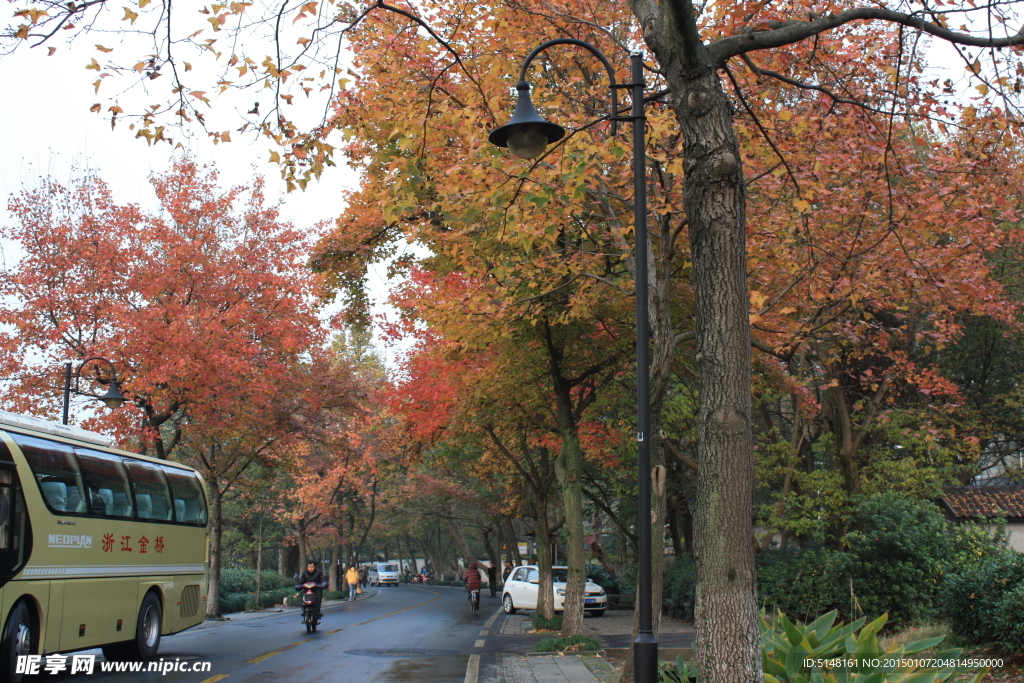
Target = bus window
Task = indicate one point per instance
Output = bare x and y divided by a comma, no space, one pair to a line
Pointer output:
188,495
152,496
107,483
56,472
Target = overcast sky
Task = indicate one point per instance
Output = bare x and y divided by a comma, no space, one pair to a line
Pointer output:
47,129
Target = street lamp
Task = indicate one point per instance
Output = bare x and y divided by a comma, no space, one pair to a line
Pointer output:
113,399
526,135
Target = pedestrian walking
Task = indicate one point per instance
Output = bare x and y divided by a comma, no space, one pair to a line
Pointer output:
352,578
364,573
492,578
407,573
506,572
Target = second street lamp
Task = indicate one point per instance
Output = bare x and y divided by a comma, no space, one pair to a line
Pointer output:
527,135
113,398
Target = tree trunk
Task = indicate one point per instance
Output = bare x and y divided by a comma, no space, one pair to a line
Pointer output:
332,580
568,467
213,589
545,589
300,531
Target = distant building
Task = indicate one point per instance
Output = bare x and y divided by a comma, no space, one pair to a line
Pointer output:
987,503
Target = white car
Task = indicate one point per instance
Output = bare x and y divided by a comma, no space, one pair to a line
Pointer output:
383,574
520,591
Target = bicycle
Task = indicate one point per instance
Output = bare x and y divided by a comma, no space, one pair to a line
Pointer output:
474,601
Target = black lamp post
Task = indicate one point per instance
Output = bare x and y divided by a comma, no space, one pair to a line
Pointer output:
526,135
113,399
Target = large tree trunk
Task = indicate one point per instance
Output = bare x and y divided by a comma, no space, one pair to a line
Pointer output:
545,589
568,467
726,610
213,589
332,579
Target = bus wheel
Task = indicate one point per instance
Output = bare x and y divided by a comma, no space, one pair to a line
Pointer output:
147,629
18,639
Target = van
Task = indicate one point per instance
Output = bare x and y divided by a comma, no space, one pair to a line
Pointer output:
383,574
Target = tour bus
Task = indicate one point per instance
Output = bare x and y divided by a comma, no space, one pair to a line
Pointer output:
98,547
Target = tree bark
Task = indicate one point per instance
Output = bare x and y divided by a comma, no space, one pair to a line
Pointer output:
213,589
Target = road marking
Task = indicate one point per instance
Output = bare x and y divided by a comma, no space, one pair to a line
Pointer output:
473,669
277,652
437,597
266,656
331,633
484,632
479,643
214,679
493,617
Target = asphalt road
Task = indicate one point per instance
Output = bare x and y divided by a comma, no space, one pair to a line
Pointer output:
409,633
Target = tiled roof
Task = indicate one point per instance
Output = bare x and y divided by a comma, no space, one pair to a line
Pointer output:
984,501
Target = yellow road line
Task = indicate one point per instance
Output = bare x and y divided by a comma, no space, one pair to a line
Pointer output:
331,633
266,656
214,679
437,597
277,652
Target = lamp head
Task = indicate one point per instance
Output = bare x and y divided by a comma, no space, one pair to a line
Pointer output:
113,399
527,134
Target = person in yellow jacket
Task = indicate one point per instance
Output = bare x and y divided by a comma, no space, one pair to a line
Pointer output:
352,578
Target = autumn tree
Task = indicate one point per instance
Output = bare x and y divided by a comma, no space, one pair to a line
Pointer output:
203,303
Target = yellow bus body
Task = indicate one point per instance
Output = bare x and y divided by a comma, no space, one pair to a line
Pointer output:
87,573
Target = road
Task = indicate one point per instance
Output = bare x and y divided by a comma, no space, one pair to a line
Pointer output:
409,633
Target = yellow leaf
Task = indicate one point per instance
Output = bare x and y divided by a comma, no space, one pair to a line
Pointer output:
275,158
95,107
802,206
104,49
96,85
188,67
303,41
225,136
143,3
785,115
982,88
129,15
52,50
94,65
198,94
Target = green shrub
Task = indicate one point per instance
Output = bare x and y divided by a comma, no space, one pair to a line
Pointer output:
567,643
542,624
232,602
786,645
335,595
979,602
244,581
806,583
267,599
680,588
894,562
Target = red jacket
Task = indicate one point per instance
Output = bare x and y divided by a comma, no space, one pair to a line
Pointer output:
472,579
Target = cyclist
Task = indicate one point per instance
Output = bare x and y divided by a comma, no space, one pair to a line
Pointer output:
471,580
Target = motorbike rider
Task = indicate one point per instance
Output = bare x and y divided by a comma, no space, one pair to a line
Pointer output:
471,579
312,574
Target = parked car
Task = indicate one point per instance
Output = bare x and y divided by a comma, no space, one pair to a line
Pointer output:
520,591
383,574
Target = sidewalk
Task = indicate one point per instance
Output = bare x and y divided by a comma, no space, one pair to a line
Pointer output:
613,631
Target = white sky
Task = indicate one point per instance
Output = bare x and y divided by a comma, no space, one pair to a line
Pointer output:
46,128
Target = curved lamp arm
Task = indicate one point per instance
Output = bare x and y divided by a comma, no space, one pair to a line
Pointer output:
113,398
527,133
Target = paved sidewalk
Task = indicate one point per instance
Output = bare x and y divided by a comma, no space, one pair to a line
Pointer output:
545,669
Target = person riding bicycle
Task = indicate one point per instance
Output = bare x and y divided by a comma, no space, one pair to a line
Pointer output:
312,574
471,579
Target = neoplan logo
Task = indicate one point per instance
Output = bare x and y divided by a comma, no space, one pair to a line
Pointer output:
70,541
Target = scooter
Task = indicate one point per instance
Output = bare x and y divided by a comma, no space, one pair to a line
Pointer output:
309,612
